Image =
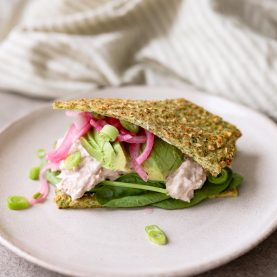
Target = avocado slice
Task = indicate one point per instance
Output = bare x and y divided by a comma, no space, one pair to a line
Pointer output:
92,147
111,155
163,160
121,161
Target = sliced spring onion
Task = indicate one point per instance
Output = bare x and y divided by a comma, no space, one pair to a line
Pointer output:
37,195
42,163
110,132
156,235
220,178
40,153
17,203
52,178
34,173
129,126
135,186
72,160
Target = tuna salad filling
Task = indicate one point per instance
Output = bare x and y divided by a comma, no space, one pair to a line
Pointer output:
75,182
85,176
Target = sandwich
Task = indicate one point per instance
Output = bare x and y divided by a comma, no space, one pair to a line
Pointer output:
121,153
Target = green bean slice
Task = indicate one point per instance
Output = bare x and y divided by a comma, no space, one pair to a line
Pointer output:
17,203
220,178
156,235
129,126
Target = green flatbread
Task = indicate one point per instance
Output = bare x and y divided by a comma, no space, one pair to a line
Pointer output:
64,201
199,134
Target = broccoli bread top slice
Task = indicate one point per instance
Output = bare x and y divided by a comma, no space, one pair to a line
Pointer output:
199,134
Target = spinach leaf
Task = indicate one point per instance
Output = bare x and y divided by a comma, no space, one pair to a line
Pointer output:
174,204
110,196
107,193
119,197
133,178
236,181
144,199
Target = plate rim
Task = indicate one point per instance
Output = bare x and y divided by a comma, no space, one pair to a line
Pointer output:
208,265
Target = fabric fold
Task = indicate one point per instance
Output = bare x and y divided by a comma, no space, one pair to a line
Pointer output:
68,47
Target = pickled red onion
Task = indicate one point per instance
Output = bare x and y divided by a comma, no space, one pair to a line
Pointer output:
124,132
80,118
124,137
97,124
71,136
44,189
134,152
71,113
148,148
131,139
115,122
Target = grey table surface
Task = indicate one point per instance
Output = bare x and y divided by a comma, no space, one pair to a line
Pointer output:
259,262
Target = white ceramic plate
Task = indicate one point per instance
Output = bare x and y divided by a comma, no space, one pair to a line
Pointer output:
103,242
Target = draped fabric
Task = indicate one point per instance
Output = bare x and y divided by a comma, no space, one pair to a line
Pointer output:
68,47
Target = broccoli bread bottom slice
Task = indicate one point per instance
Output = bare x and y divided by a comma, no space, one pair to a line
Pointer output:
88,201
64,201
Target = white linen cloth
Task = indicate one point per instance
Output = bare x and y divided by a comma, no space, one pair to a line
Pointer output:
67,47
